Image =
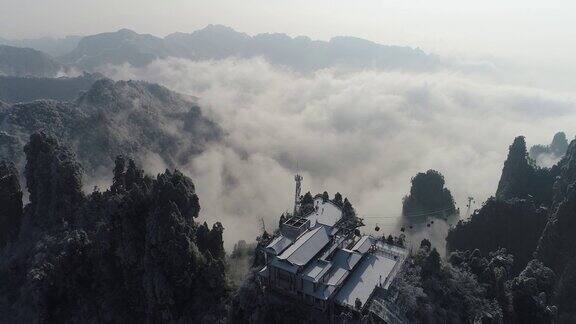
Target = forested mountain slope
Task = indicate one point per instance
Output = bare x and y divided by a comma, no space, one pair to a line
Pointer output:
138,119
532,216
18,61
130,253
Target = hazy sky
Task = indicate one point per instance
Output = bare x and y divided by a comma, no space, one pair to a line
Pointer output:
524,29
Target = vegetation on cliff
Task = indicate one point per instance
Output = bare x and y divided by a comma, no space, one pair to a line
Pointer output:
131,253
428,197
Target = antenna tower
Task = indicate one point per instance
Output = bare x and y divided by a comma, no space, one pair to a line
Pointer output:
298,178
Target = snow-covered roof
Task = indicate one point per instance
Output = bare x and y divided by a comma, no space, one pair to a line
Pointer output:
316,270
319,254
279,243
346,259
324,293
333,280
373,269
306,246
336,276
325,213
363,244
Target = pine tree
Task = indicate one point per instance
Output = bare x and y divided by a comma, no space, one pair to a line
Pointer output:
337,199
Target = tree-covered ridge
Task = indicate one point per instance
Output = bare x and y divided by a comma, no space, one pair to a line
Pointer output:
131,253
524,298
515,225
533,216
556,247
432,291
522,178
428,197
133,118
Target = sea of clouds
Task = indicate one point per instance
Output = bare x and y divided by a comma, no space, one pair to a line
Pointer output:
361,133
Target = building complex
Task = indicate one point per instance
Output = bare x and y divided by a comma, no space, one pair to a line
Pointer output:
314,259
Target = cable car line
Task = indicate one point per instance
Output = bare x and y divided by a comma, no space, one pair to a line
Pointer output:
409,215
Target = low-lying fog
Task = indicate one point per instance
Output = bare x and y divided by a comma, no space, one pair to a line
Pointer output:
362,133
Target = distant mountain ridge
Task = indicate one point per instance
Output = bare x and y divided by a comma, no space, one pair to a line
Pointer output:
15,89
123,46
25,62
220,42
49,45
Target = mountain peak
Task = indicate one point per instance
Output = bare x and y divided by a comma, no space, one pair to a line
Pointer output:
126,31
107,91
218,28
219,31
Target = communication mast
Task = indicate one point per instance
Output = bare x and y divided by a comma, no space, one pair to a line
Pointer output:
298,178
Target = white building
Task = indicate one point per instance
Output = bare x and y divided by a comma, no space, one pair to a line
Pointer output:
319,263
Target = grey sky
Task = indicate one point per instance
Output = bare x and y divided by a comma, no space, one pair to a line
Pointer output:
524,29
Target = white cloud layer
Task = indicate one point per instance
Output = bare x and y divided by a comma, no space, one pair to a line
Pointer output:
363,133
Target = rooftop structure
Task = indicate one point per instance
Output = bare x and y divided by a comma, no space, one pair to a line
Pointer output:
319,263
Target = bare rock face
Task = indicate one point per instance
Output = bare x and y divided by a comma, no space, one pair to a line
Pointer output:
10,203
128,254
